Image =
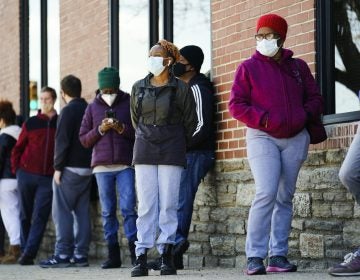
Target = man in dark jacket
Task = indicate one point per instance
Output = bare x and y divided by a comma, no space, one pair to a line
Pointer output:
32,160
107,128
200,151
71,185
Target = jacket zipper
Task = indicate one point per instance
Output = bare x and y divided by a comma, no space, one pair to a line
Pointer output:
154,121
112,145
47,145
288,121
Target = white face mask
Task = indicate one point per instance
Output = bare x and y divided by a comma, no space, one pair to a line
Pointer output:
109,98
267,47
155,65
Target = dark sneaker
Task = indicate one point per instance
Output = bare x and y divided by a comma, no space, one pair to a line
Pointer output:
26,260
79,262
179,251
350,266
280,264
55,262
255,266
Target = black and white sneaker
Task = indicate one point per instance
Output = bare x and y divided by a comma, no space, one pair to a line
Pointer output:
55,262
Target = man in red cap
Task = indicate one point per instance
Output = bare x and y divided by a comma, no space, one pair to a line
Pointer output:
275,95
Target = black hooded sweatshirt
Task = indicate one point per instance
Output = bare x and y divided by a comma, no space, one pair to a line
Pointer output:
204,135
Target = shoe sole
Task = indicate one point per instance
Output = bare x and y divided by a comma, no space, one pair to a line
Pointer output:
111,267
279,269
59,265
344,274
256,272
28,262
139,273
80,264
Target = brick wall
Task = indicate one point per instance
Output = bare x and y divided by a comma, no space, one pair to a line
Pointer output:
84,41
9,52
233,30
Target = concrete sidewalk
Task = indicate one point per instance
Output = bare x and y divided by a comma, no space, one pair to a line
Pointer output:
12,272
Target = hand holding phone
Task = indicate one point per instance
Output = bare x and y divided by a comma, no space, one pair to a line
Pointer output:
106,125
119,127
110,114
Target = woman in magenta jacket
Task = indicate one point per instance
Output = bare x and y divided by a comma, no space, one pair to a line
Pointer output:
275,95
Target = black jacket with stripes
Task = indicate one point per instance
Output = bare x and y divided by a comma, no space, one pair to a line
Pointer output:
204,135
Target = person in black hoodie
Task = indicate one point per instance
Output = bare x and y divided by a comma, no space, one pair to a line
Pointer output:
71,184
200,149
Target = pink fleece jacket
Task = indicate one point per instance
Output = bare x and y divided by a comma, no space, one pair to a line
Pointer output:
285,93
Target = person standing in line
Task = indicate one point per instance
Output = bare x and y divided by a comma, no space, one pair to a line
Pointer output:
200,155
164,116
349,177
106,127
9,201
71,185
275,95
32,160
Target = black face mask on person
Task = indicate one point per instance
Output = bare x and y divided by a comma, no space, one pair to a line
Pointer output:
179,69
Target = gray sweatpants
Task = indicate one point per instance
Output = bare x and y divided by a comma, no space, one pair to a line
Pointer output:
157,189
275,164
72,199
350,169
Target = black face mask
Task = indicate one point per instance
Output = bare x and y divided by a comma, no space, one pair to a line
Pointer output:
179,69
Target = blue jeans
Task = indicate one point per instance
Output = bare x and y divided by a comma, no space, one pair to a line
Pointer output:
35,197
124,182
198,164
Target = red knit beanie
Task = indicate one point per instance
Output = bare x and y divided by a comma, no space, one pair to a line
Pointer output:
275,22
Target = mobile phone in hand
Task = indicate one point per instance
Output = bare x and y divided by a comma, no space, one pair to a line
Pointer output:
110,114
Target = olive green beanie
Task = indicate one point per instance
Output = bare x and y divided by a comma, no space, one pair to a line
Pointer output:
109,78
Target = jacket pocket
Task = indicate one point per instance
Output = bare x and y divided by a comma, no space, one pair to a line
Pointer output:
276,119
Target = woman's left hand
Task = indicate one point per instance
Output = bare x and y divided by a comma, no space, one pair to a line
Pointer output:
118,127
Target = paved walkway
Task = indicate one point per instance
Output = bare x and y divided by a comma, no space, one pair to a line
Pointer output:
12,272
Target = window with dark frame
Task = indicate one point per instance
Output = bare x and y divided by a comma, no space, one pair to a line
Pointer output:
36,70
159,16
338,66
133,41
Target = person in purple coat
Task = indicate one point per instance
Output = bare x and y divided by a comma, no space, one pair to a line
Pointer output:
107,128
275,95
